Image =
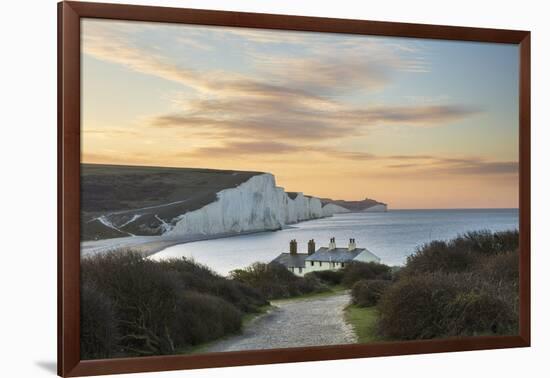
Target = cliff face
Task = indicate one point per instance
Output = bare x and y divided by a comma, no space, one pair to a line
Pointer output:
368,205
121,201
255,205
380,208
330,209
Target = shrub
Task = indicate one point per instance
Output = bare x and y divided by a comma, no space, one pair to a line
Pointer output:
158,307
330,277
478,313
356,271
98,325
461,287
412,308
203,317
441,305
461,254
498,275
487,243
438,256
500,269
201,279
366,293
276,281
310,284
146,299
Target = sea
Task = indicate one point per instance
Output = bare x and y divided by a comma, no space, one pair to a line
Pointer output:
392,236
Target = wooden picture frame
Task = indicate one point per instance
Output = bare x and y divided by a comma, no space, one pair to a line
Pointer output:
69,16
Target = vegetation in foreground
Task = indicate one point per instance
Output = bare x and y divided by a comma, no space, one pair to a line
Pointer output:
364,321
275,281
467,286
352,273
133,306
464,287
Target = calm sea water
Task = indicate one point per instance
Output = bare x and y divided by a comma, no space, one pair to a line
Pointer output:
392,236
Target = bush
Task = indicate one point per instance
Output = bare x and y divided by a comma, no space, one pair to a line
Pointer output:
356,271
498,275
201,279
442,305
203,317
500,269
461,287
98,325
488,243
461,254
276,281
157,307
478,313
329,277
412,308
366,293
439,256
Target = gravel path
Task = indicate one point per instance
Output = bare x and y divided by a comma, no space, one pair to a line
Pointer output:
295,323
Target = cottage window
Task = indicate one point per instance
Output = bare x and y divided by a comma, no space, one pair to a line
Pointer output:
320,263
311,263
300,270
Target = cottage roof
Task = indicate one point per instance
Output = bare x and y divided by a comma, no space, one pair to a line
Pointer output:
297,260
367,256
335,255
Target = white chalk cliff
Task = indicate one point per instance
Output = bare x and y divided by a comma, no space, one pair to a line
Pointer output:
381,208
255,205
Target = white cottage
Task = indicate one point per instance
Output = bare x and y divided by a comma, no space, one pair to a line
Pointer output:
324,258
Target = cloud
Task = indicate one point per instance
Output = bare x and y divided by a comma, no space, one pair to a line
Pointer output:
288,96
327,67
112,157
486,168
110,132
114,43
433,165
115,48
330,73
283,102
299,117
427,115
266,36
262,148
242,149
411,157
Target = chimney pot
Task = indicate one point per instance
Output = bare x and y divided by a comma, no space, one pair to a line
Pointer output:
311,247
293,247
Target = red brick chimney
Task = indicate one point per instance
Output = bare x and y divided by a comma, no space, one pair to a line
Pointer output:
293,247
311,247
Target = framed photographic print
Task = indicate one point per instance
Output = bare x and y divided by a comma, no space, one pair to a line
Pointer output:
239,188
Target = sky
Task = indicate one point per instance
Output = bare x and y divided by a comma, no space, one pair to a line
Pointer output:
414,123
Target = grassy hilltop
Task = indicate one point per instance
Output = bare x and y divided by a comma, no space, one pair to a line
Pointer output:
138,200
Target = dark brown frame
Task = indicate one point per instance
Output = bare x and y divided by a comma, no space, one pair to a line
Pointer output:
69,15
